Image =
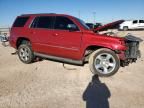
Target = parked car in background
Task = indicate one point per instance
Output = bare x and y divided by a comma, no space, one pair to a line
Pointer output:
90,25
68,39
4,38
132,25
97,25
93,26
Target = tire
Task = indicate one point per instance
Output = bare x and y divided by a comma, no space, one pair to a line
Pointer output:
25,52
125,28
104,62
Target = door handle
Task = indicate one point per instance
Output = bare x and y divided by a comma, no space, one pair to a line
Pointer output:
32,32
55,34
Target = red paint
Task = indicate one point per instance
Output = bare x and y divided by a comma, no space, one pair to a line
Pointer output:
63,43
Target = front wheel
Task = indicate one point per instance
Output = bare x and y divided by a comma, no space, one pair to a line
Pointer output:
104,62
125,28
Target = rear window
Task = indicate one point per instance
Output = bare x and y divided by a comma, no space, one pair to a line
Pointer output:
20,21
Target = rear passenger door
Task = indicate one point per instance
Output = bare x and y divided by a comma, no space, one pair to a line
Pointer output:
66,43
41,32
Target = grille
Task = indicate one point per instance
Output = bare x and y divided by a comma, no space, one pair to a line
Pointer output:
133,49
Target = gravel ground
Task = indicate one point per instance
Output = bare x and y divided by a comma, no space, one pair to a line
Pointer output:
48,84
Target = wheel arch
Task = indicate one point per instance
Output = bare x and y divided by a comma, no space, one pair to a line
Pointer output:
93,48
90,49
20,40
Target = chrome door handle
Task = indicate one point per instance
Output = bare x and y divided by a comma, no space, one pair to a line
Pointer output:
55,34
32,32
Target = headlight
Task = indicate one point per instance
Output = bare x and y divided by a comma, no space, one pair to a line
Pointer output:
122,42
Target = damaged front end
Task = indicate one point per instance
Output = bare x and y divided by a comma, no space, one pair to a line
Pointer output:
132,43
132,53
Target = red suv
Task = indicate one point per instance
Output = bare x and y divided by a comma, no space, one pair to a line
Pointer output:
68,39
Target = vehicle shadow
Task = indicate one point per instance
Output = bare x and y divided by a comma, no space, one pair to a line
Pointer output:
96,94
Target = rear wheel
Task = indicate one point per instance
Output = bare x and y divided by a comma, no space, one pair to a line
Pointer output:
104,62
125,28
25,53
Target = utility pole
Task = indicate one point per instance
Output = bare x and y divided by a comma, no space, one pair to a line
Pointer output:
94,15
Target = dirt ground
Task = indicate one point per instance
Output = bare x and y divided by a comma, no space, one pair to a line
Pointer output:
48,84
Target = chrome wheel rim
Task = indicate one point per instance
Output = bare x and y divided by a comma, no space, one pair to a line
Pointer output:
105,63
24,54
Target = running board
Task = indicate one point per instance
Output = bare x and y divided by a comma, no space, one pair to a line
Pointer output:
60,59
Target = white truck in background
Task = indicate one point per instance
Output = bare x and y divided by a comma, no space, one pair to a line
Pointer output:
132,25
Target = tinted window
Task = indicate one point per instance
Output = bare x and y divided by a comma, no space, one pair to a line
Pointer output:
141,21
90,25
20,22
43,22
135,22
34,23
62,23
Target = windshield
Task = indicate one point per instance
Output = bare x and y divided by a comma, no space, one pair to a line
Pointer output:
83,24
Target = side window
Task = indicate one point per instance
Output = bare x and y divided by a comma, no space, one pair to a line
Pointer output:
64,23
34,23
43,22
20,21
135,22
141,21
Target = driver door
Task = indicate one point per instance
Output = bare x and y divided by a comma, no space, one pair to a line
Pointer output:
66,42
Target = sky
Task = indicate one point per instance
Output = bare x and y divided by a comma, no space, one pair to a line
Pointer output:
103,11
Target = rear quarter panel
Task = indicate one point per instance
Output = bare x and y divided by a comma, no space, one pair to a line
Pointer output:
20,32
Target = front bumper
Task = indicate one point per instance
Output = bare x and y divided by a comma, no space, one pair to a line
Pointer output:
132,44
132,53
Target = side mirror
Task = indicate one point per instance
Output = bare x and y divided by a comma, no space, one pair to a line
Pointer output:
72,27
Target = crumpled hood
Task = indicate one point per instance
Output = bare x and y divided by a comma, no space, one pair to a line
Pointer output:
108,26
91,33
